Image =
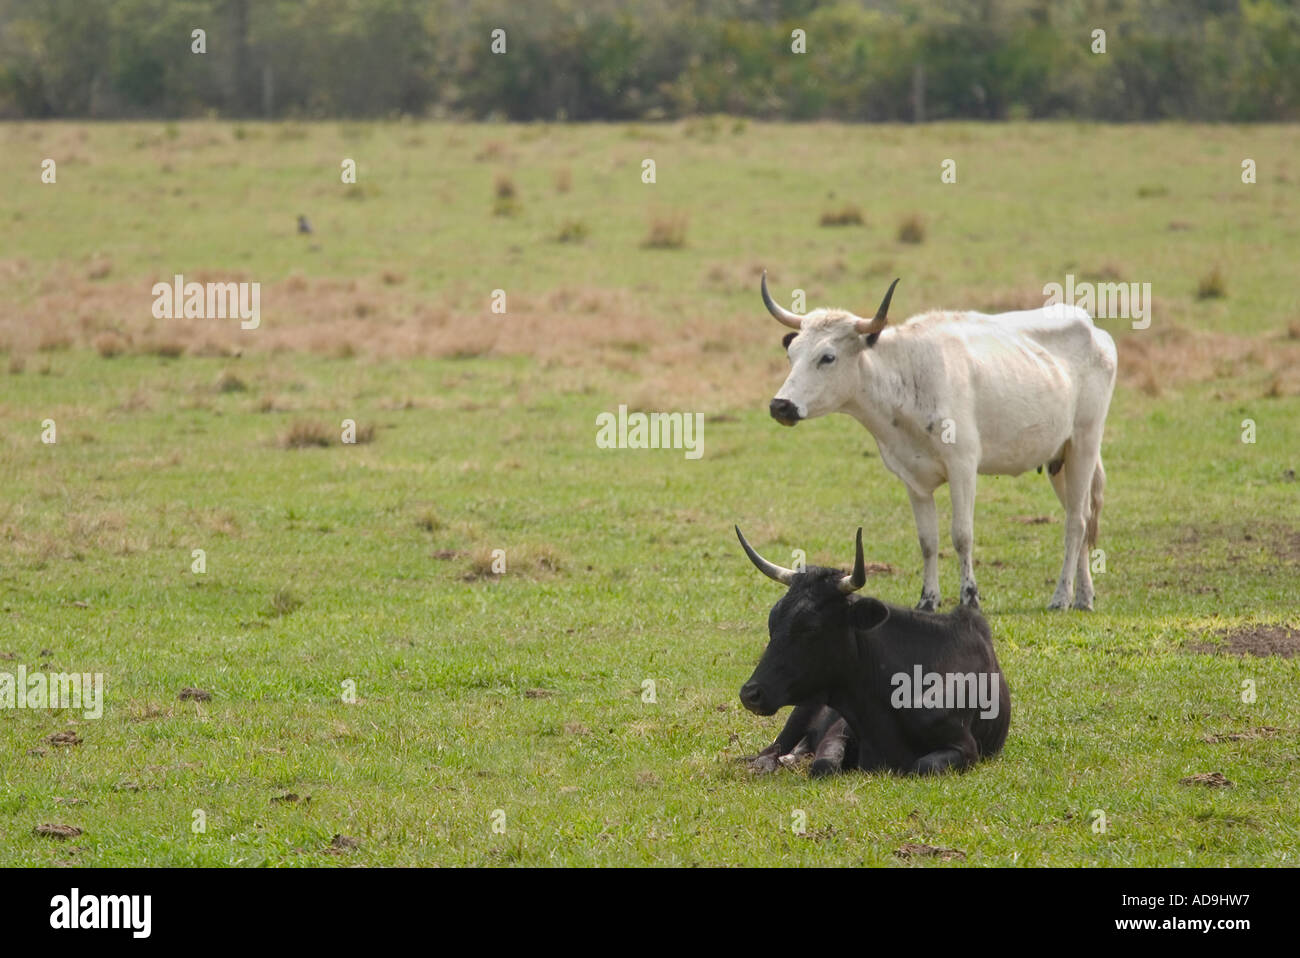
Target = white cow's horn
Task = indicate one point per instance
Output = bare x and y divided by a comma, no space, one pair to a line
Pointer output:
770,569
869,327
852,583
793,320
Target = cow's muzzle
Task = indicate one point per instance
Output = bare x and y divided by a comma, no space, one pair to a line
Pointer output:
784,411
754,699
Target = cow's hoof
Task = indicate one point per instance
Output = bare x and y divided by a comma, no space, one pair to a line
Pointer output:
1083,606
762,764
1058,603
927,604
822,767
970,596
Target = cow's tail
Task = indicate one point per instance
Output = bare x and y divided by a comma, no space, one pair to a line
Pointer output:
1096,495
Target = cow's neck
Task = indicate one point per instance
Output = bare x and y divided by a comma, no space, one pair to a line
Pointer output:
881,404
858,690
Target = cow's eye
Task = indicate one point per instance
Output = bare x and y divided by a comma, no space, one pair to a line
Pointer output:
826,360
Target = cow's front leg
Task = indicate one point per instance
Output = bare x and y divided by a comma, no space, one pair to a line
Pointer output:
927,532
829,757
963,532
796,728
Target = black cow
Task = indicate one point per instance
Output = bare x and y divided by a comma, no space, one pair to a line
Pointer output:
875,686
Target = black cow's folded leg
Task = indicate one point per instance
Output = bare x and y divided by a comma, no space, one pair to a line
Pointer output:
829,758
795,731
956,757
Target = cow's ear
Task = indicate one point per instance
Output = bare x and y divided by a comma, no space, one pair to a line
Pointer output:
867,613
785,340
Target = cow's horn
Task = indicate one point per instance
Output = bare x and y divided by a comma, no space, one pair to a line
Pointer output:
852,583
793,320
869,327
769,569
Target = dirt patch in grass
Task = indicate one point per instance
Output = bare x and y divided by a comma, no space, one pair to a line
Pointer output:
911,850
1257,640
1264,731
189,694
1208,779
1271,541
56,831
64,738
342,843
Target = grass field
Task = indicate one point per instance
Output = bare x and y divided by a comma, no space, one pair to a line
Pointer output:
499,718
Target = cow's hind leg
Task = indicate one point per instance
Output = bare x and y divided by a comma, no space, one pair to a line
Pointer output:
1083,588
927,532
957,757
1082,462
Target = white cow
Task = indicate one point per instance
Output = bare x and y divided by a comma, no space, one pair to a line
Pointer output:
949,395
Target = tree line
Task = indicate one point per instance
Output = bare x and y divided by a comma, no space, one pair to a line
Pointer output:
577,60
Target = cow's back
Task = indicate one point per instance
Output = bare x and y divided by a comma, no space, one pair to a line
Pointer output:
1017,383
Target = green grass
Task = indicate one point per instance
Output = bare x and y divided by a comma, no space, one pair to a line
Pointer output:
621,565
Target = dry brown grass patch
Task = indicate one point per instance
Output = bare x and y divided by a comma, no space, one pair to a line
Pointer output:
531,561
571,231
1211,285
228,382
666,231
1167,356
492,150
847,215
164,348
110,344
429,520
99,269
52,341
305,434
911,229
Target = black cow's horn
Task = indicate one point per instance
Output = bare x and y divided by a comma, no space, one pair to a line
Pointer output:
852,583
770,569
793,320
869,327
